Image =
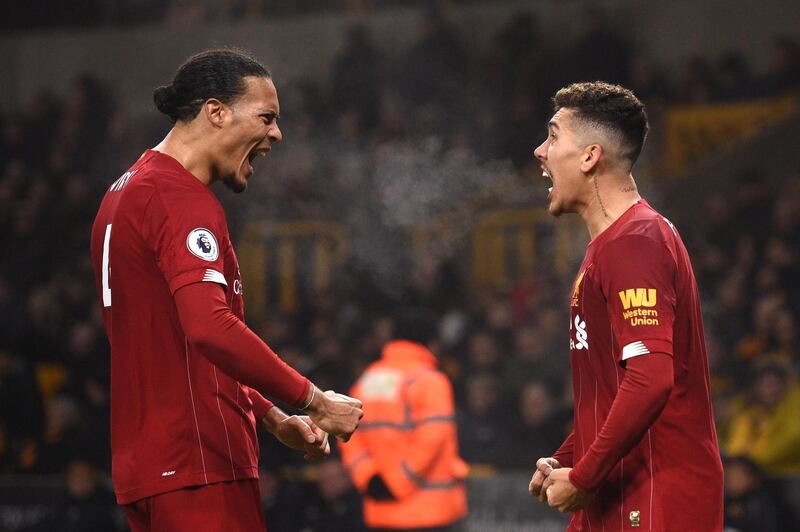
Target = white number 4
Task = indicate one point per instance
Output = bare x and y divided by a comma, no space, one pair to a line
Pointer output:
106,269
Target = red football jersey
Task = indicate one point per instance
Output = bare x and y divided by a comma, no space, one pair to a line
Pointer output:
176,419
636,294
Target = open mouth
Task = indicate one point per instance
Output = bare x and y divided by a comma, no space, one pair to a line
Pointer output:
251,157
547,176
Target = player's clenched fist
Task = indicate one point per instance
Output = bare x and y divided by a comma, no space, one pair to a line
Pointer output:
544,466
335,413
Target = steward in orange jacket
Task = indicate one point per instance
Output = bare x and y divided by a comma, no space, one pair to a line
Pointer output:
404,457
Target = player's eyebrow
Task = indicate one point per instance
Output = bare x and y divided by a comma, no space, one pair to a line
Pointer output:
271,114
553,125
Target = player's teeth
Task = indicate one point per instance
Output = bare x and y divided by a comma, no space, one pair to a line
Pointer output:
550,189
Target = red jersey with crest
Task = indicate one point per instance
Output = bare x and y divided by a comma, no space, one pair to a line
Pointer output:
636,294
176,419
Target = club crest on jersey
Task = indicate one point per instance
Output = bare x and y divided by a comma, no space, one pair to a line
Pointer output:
203,244
576,291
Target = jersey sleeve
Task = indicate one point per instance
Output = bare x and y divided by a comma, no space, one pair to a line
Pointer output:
261,405
185,231
638,280
565,453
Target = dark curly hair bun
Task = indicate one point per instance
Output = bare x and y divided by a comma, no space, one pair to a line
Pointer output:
164,98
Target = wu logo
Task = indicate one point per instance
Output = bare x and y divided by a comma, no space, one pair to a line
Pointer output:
581,340
638,297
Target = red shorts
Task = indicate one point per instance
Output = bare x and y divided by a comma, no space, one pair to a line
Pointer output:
222,507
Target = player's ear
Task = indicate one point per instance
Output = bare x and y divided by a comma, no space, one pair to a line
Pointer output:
591,157
214,111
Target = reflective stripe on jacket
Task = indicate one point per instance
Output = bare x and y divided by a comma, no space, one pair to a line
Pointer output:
408,437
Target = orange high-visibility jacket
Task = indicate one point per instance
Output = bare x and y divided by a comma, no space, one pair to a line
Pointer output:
408,436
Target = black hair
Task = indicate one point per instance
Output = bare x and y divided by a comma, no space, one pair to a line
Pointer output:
217,73
415,324
608,106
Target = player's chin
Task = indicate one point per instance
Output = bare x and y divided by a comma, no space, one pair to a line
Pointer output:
555,209
236,183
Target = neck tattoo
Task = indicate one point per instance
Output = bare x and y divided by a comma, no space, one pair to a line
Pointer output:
630,188
599,199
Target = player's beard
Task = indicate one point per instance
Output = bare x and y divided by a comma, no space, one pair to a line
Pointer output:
234,184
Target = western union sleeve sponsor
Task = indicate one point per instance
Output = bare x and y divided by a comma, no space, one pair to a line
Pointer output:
633,299
641,316
638,297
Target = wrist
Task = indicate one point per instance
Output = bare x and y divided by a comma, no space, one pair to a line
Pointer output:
313,401
273,418
575,480
311,396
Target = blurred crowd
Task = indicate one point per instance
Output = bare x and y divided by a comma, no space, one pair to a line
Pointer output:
383,130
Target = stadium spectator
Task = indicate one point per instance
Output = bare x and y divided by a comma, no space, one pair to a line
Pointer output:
435,67
542,423
697,84
534,351
87,505
335,505
483,420
784,67
518,52
651,81
405,460
484,353
766,428
749,504
601,53
356,78
65,437
735,81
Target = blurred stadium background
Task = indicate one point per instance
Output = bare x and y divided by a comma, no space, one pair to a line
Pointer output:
406,176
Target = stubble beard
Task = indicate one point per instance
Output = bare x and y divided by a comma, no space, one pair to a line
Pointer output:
234,184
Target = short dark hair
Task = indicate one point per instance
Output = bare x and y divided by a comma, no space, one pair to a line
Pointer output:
217,73
611,107
415,324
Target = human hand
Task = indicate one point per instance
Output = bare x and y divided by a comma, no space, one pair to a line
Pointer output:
302,434
562,494
336,413
544,466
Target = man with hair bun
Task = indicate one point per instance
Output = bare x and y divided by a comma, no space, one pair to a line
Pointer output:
643,453
187,374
